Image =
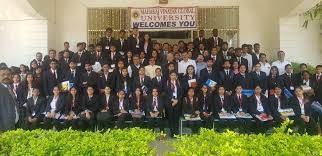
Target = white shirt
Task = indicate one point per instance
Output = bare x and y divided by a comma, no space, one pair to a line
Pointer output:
249,58
129,69
301,101
175,90
307,83
182,66
265,67
121,104
53,104
281,66
259,104
155,109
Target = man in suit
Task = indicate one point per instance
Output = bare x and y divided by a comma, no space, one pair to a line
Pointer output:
164,53
51,56
288,80
38,60
215,40
105,79
218,59
107,40
72,75
155,109
225,53
64,62
158,80
113,56
89,77
8,103
51,78
134,41
208,73
121,43
259,77
35,107
244,79
133,69
240,59
66,48
81,56
255,54
226,77
99,56
200,50
142,81
200,39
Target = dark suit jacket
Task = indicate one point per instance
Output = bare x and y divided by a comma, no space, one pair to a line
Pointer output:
39,108
117,56
116,104
288,82
273,105
133,105
211,42
188,107
149,104
253,105
136,83
119,85
91,104
68,76
196,42
84,58
159,85
63,65
132,42
91,79
246,82
60,108
106,43
236,104
169,94
149,48
104,82
49,81
206,103
227,80
69,106
295,104
101,58
259,80
255,60
243,61
106,104
123,47
204,75
218,105
8,105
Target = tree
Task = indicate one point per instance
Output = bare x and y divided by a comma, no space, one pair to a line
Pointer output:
313,14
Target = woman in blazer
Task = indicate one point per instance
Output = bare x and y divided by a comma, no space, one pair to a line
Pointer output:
278,101
206,107
72,108
105,114
121,107
137,107
89,103
190,107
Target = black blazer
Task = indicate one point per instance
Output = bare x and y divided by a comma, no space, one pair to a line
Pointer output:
147,82
206,103
159,85
243,61
246,82
101,58
63,65
60,108
120,84
259,80
106,104
85,58
49,81
169,94
295,104
68,76
197,41
134,106
227,80
211,42
149,48
39,108
132,42
105,81
121,47
287,82
273,105
149,104
188,107
253,105
91,79
227,104
117,56
236,104
105,42
91,104
70,106
116,104
204,75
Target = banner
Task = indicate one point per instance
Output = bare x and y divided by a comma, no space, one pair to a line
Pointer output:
164,18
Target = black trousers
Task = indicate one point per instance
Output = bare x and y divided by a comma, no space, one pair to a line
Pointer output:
310,127
36,125
74,124
120,122
87,124
156,123
207,121
104,120
49,123
173,119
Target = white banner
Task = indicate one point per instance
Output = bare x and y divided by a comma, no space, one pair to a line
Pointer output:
164,18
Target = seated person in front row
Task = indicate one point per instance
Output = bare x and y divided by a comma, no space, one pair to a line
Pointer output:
137,107
121,107
89,103
301,105
206,107
35,108
278,101
222,103
259,109
190,107
155,109
105,114
54,109
72,108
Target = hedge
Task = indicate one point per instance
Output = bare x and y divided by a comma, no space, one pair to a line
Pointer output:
68,142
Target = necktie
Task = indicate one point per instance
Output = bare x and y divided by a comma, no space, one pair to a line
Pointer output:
172,87
227,72
66,60
154,102
73,74
121,43
239,99
141,81
55,75
158,79
112,56
222,102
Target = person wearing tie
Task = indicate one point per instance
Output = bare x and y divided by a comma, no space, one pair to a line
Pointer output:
173,95
89,77
105,114
54,110
158,80
259,78
215,40
227,77
199,39
137,107
206,108
155,110
89,104
238,57
278,101
107,40
288,80
222,102
190,107
121,43
208,73
105,78
8,103
243,78
190,75
134,41
64,62
121,107
142,81
72,108
51,78
38,60
301,105
34,110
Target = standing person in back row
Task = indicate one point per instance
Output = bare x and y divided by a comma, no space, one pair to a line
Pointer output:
8,102
215,40
281,62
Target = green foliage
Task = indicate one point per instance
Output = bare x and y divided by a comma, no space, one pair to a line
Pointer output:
313,14
40,142
296,68
229,143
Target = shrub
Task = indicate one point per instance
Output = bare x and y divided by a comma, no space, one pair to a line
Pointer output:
40,142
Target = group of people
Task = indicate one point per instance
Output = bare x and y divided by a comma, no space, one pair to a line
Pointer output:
134,79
